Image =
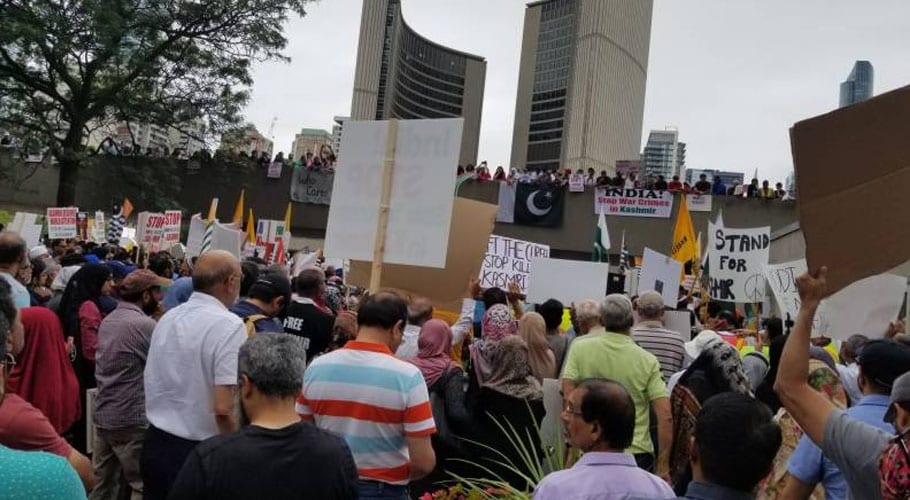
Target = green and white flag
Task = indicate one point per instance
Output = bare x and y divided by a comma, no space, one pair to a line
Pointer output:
601,240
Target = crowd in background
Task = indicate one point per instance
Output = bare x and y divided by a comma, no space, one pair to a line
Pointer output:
195,370
589,179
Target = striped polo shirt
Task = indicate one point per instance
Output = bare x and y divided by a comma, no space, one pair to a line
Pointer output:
666,345
374,401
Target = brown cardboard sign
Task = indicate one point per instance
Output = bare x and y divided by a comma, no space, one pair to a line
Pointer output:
853,175
472,224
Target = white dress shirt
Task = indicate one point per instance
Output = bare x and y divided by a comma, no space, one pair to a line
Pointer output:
194,348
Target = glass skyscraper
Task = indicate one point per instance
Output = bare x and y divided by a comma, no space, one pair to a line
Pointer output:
858,86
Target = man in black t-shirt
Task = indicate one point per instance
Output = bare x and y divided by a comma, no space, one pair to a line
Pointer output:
308,316
276,455
703,186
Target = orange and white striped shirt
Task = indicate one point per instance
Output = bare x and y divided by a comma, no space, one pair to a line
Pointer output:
374,401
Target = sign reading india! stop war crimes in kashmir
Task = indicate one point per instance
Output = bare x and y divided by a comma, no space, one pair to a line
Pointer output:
509,260
633,202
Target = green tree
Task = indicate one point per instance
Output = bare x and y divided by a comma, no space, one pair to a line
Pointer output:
69,66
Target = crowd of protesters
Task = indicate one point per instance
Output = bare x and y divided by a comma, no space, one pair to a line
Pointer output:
590,179
222,378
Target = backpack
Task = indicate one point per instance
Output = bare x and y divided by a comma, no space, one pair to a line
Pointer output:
250,323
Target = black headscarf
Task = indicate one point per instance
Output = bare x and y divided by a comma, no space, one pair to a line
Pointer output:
85,285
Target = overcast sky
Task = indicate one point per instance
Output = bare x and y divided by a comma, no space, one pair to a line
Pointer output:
732,76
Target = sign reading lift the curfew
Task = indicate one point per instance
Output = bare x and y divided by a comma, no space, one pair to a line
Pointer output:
420,204
507,260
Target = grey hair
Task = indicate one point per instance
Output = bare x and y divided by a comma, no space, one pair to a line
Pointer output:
274,363
650,305
587,309
616,313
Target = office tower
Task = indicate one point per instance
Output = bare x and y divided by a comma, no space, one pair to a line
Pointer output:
858,86
401,74
664,155
581,84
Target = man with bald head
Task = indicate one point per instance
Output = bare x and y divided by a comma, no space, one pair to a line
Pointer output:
191,372
420,310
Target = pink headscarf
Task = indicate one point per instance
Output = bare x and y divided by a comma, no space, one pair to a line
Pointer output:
497,324
434,344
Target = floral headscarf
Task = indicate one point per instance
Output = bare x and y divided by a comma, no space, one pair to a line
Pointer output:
497,324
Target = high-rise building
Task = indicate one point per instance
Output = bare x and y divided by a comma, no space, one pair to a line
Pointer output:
337,131
664,154
581,84
401,74
310,140
858,86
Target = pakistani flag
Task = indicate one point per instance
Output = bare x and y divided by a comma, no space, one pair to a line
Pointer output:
601,240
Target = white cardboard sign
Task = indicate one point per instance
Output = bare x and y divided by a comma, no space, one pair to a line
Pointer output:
569,281
662,274
420,208
61,222
737,262
508,259
698,202
865,306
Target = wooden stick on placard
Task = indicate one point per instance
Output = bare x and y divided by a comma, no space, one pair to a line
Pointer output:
388,165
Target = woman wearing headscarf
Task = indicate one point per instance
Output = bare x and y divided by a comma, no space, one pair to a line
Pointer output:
445,385
38,287
533,329
510,398
497,324
765,391
43,375
716,370
823,378
80,315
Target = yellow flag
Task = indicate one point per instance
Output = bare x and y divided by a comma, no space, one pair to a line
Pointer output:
238,211
684,246
287,218
213,210
251,229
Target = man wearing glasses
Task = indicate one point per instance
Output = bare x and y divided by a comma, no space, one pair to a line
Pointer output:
875,463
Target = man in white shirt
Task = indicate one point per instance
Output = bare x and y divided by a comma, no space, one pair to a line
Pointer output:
13,257
191,372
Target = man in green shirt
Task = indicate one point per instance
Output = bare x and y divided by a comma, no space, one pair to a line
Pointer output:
615,356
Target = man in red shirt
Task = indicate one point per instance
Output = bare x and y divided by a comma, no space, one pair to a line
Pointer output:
675,185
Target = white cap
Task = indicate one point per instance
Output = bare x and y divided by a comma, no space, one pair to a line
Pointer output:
696,346
37,252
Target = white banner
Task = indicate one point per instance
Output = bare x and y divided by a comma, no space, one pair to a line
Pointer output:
698,202
576,183
420,206
506,211
661,274
737,262
633,202
171,228
508,259
61,222
569,281
98,233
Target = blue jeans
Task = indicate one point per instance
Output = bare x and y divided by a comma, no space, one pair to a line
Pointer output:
375,490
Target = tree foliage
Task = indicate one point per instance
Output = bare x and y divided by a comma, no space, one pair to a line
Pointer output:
70,66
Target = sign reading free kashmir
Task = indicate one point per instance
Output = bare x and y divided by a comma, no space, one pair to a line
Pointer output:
507,260
633,202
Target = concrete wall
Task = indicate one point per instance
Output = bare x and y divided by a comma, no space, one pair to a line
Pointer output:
112,178
575,236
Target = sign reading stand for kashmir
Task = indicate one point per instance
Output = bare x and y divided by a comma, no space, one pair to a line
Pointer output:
633,202
507,260
61,222
420,203
737,262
